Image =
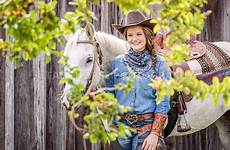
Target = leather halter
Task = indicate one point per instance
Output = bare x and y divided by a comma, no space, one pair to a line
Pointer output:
97,59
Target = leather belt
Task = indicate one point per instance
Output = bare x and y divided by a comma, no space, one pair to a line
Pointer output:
133,118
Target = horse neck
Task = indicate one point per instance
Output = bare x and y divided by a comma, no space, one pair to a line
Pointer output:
111,44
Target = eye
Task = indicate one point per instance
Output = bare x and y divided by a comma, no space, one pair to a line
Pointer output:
89,59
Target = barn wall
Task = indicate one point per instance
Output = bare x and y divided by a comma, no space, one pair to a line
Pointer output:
31,116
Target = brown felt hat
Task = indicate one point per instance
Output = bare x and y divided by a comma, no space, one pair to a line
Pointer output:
134,18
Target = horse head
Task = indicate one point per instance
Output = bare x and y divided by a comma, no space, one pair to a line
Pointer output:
84,53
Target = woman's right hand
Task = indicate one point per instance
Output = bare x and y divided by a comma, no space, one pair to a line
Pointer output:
150,143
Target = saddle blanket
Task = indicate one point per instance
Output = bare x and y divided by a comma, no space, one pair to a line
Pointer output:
205,57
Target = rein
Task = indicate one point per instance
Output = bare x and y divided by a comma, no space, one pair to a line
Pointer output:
97,59
89,86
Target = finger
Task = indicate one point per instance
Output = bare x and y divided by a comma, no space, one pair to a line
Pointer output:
146,146
151,148
143,145
154,146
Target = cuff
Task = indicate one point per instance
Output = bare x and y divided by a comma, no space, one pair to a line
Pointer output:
158,124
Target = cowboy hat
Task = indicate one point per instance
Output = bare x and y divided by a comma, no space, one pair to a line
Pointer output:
134,18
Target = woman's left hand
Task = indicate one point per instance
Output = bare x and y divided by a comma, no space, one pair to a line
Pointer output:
150,142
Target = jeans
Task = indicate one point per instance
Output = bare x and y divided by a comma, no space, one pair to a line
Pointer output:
135,141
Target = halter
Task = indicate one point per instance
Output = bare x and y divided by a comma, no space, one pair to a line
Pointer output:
97,56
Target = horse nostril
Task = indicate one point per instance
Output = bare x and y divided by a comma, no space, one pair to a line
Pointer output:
89,59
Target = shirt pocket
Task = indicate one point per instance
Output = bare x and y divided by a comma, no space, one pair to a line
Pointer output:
146,89
148,92
121,77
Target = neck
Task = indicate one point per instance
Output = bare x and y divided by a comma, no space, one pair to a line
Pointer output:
111,46
139,51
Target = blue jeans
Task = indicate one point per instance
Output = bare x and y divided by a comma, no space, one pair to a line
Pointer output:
135,141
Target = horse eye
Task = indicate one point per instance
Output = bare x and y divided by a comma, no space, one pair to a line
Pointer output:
89,59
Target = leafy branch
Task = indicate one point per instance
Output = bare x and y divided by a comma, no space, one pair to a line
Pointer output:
189,84
35,28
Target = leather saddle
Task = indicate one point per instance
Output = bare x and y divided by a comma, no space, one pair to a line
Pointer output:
198,51
179,99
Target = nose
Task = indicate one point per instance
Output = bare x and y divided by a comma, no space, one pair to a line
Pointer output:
134,38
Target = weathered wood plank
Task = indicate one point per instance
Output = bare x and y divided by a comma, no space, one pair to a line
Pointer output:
226,19
215,27
105,22
211,4
70,136
56,117
9,105
39,76
24,107
2,101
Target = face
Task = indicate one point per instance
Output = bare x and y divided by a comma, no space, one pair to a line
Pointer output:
136,38
81,56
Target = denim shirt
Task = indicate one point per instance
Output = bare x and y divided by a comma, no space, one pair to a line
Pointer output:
141,98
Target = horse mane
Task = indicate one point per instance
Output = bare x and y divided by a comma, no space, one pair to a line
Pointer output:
113,44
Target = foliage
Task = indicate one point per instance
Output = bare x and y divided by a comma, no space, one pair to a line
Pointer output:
102,107
35,27
197,88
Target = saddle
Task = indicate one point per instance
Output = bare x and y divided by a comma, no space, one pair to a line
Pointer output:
204,58
205,61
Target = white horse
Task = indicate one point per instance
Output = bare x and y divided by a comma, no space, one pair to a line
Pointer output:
82,51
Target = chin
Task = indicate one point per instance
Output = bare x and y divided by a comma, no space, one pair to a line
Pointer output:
138,50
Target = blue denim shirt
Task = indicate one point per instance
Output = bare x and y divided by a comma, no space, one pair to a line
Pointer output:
142,97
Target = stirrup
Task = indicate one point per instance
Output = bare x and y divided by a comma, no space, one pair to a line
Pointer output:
180,127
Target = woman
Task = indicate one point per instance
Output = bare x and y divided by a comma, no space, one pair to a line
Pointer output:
146,116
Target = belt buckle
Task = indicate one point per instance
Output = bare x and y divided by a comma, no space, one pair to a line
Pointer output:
131,118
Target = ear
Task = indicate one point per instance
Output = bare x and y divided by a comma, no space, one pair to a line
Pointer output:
83,23
90,30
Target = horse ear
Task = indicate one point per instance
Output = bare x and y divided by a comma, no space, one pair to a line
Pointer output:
90,30
83,23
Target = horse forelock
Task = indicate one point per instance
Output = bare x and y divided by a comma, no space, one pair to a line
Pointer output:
78,35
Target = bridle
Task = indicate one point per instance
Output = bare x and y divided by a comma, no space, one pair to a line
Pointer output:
97,59
89,86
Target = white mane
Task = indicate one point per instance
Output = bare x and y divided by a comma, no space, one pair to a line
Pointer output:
111,46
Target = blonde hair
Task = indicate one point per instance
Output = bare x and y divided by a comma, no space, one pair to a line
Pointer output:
149,42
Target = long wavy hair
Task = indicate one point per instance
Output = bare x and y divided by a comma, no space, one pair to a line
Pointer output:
149,42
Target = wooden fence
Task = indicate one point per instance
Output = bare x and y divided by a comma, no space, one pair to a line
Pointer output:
31,116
